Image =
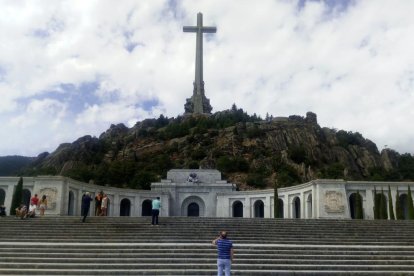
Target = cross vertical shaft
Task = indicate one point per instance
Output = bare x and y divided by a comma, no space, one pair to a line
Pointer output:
199,103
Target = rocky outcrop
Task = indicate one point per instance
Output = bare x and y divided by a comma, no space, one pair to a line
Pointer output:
267,147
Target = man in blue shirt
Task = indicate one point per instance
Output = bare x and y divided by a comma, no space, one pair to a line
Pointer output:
155,212
225,253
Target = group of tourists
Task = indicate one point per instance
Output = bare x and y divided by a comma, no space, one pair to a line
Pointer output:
101,205
224,246
35,203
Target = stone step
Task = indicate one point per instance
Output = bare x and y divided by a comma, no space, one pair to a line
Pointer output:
195,240
166,240
181,246
283,260
193,272
30,257
403,255
212,265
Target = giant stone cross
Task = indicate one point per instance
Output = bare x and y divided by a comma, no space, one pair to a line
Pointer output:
198,103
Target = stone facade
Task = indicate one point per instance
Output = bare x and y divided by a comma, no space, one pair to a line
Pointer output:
204,193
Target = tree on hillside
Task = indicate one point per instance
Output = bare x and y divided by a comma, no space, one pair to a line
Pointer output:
398,208
359,214
390,206
376,205
410,204
276,201
383,205
17,196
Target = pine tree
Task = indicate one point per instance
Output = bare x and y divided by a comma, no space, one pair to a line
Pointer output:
410,204
276,202
376,205
17,196
398,208
358,207
390,206
383,206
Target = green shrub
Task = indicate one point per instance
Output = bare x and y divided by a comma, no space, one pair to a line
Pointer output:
410,205
390,206
383,206
333,171
17,196
228,164
193,165
198,154
298,154
359,214
287,176
143,180
256,180
398,209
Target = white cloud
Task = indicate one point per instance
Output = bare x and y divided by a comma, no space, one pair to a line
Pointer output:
353,67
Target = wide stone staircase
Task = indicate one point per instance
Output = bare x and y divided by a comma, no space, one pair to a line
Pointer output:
182,246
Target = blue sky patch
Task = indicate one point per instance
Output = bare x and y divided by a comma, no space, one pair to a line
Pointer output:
77,97
148,105
41,33
331,5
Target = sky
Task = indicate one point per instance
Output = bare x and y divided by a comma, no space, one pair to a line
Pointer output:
73,68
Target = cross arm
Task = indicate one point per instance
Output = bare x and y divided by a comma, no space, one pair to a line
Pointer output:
209,29
190,29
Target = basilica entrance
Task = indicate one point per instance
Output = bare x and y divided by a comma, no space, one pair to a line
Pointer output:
193,206
193,210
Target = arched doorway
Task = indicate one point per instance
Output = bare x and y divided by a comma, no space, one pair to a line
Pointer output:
309,206
2,196
237,209
258,209
190,206
353,205
404,205
382,212
26,197
71,204
125,208
280,209
296,207
193,210
146,208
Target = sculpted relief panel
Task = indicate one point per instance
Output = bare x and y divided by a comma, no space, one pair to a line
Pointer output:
52,194
333,202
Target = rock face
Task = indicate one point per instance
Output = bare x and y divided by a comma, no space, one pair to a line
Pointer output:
293,149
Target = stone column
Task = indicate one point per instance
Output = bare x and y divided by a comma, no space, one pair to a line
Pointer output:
115,206
78,203
369,204
247,208
267,206
302,206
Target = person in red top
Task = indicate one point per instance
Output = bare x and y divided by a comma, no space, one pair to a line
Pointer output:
34,202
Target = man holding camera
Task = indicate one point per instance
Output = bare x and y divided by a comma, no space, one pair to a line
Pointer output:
225,253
